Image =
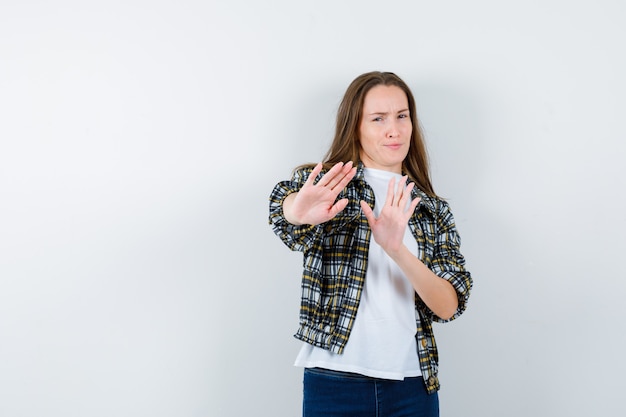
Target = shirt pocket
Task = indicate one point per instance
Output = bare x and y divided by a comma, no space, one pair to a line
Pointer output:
425,236
321,300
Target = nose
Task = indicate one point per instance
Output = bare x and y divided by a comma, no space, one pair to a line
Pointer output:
393,131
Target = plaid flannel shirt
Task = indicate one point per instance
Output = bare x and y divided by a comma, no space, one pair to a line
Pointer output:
335,265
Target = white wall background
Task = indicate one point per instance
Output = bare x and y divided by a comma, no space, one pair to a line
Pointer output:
139,141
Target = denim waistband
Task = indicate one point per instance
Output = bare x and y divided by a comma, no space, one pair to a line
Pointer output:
338,374
348,375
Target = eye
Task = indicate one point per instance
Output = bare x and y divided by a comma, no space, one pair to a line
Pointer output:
403,116
377,119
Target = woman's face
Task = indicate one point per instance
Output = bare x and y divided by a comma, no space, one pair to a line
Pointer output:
385,129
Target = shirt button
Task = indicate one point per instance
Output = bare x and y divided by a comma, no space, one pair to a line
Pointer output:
419,232
431,381
424,343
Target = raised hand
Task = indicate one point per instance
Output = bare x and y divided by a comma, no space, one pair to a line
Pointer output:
388,229
315,203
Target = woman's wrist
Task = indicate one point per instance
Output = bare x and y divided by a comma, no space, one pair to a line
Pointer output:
287,212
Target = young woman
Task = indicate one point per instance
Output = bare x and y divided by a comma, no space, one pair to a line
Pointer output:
382,260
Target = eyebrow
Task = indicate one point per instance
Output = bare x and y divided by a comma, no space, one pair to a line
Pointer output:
385,113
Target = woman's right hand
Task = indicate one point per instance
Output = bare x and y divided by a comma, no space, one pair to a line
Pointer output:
315,203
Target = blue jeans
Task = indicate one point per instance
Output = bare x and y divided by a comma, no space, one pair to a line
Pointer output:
341,394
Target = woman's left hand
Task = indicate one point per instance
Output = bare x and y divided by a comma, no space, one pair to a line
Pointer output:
389,228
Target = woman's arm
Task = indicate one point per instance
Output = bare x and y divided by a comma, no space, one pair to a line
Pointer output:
437,293
388,230
296,231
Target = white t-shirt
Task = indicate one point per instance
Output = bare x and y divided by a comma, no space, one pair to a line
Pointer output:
382,342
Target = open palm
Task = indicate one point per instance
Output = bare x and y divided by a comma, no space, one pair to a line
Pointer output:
315,203
388,229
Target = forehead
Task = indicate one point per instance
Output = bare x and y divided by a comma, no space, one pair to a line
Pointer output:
385,96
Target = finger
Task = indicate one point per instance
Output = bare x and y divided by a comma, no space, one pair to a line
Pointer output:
390,192
328,176
314,174
404,193
369,214
397,193
346,178
413,206
335,182
410,208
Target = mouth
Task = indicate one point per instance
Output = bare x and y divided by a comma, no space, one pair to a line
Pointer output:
393,146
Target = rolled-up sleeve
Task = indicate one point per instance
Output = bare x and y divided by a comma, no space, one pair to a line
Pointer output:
448,262
297,238
303,237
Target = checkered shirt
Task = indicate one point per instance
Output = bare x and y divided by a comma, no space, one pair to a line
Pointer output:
335,265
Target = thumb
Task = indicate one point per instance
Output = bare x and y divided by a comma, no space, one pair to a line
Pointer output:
339,205
369,214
